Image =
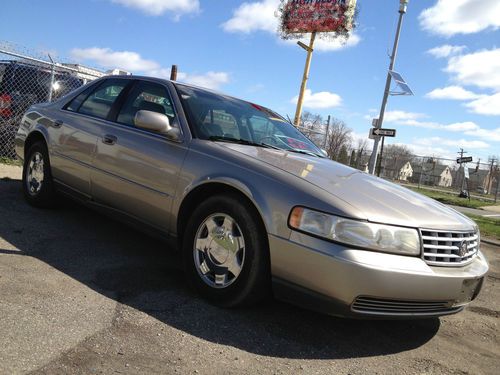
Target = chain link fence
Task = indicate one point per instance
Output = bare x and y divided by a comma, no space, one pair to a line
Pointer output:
28,77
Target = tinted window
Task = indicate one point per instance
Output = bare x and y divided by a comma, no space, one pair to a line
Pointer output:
99,103
219,122
77,102
146,96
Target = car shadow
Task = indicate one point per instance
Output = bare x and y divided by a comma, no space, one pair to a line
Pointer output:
141,272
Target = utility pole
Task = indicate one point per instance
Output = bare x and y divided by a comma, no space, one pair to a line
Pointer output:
490,178
462,152
498,184
373,159
305,77
327,131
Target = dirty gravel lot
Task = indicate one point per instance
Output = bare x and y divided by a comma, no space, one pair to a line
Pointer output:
82,294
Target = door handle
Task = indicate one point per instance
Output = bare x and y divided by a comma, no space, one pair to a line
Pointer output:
109,139
57,123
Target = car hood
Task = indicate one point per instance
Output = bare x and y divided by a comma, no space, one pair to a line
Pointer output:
375,199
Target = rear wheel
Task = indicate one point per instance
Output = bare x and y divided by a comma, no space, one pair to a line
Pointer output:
38,187
225,252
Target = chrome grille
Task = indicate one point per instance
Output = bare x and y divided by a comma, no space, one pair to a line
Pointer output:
371,305
445,248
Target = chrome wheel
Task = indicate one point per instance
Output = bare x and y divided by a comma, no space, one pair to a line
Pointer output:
219,250
35,173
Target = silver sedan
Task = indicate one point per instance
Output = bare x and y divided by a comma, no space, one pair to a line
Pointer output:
254,207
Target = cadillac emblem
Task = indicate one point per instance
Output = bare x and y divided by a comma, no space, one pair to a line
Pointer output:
462,249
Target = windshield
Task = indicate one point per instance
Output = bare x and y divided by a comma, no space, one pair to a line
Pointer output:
222,118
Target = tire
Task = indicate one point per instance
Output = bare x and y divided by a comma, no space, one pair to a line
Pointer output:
226,254
38,187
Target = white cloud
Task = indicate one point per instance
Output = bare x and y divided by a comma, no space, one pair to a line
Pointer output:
452,93
414,119
454,127
158,7
429,149
134,63
460,126
211,80
491,135
319,100
450,17
486,105
396,116
255,16
433,141
445,50
109,59
480,69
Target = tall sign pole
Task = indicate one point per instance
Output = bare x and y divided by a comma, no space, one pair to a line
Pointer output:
317,18
373,159
305,77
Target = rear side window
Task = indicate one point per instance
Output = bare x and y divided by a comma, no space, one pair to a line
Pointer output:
99,102
75,104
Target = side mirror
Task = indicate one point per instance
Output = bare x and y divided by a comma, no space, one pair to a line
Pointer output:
156,122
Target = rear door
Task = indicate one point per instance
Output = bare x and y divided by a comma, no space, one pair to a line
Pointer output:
75,130
136,170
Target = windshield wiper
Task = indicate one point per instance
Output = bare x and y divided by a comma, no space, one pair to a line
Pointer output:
305,152
220,138
240,141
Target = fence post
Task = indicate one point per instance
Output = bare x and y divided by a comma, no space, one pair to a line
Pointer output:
496,192
52,72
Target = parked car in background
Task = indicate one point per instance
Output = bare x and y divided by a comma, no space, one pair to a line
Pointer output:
253,205
23,84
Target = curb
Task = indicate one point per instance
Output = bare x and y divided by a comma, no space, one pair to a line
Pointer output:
491,242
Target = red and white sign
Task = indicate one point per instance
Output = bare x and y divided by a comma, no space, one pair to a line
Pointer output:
307,16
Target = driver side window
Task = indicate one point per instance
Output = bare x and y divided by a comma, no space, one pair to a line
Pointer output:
220,123
146,96
263,128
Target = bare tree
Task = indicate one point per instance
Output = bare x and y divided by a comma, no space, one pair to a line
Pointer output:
312,126
340,135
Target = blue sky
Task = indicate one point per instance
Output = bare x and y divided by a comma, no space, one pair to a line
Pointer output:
449,55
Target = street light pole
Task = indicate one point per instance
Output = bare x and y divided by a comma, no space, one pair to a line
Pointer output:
373,159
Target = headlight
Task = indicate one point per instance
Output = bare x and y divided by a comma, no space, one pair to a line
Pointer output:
386,238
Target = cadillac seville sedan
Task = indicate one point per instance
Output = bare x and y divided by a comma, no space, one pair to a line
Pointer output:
254,207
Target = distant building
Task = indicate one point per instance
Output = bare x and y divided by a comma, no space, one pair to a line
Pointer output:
118,72
480,180
406,172
85,73
432,174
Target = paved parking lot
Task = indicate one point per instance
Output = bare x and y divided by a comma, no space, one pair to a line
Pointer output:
82,294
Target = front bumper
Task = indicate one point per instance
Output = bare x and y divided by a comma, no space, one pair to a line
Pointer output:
349,282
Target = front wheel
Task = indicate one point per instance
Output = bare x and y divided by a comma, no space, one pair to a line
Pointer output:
37,178
225,252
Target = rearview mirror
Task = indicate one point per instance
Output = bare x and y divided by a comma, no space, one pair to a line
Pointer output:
156,122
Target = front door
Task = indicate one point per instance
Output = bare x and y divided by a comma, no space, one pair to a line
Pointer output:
136,170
